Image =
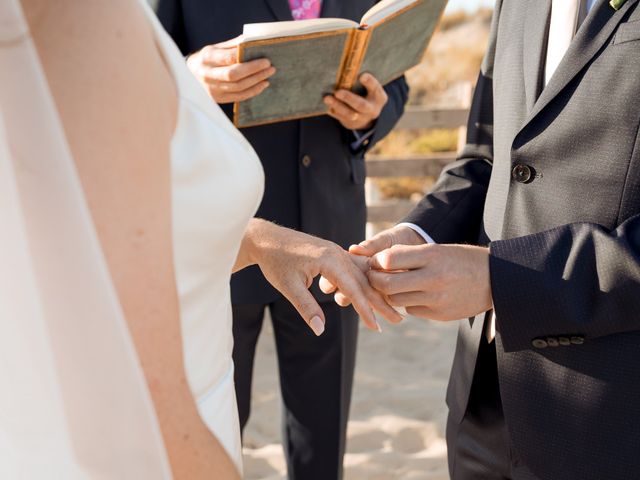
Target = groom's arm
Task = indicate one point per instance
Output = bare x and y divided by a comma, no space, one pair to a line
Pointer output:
452,211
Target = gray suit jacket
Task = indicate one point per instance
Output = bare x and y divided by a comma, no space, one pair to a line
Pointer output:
550,179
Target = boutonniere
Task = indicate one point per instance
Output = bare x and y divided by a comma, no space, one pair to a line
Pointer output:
617,4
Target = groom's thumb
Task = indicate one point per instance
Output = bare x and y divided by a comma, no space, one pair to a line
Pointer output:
370,247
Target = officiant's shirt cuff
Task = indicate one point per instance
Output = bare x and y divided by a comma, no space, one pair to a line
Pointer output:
362,139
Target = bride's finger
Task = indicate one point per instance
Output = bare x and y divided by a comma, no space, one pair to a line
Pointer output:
326,286
341,299
380,305
375,299
352,289
307,306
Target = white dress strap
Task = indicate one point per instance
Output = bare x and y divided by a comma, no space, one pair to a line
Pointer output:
74,402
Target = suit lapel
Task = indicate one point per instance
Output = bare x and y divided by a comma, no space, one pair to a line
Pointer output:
591,37
280,9
534,48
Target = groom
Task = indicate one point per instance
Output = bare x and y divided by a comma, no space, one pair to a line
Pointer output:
548,186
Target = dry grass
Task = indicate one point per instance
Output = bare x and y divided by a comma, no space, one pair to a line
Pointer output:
413,142
461,17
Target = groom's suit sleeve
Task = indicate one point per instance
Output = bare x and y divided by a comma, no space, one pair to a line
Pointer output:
579,280
452,211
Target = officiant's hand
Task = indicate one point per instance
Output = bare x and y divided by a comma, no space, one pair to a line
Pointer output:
354,111
226,80
290,261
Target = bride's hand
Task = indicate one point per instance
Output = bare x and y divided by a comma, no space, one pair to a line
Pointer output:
290,261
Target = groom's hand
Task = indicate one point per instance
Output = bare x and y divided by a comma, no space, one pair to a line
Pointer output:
398,235
439,282
226,80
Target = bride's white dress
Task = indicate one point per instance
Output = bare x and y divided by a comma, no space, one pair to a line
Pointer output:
217,187
73,398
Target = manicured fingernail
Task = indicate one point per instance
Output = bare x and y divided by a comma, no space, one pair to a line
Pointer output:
328,100
401,310
317,325
339,94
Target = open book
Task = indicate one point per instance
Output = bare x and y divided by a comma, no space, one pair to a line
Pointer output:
315,57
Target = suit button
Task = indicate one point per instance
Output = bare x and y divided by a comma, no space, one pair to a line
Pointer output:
306,161
522,173
539,343
577,340
553,342
564,341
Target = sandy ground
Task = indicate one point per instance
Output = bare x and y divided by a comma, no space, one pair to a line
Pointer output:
398,412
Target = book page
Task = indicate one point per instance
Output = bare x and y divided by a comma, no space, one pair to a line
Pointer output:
306,70
384,9
264,31
399,43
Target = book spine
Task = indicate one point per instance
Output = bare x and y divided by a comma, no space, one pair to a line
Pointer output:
351,65
236,105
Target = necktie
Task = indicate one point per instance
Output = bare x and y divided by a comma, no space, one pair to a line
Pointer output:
566,16
305,9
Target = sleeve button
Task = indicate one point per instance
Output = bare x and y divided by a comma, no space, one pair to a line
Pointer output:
564,341
306,161
553,342
539,343
577,340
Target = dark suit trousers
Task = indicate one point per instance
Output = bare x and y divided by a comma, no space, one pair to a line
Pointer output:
316,376
479,446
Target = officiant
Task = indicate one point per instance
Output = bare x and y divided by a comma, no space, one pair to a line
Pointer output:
315,173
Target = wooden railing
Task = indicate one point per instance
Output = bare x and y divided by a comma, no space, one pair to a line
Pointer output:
389,211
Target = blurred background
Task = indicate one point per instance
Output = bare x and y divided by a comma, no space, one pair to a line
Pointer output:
398,411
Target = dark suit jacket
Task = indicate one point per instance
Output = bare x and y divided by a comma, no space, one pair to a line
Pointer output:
325,198
550,179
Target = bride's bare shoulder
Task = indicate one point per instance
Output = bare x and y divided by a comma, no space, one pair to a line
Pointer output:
103,67
66,29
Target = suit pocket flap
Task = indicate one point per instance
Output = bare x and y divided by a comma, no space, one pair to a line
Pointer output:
627,32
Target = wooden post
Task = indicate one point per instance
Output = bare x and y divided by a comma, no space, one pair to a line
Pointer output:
381,213
372,197
466,95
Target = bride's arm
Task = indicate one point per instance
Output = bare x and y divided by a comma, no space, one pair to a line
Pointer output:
118,107
290,260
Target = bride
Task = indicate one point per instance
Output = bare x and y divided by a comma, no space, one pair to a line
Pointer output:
126,200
